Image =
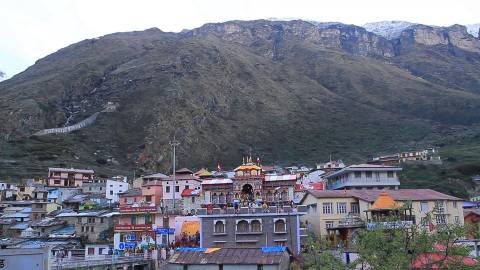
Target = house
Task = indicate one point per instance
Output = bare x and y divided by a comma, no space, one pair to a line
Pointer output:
25,192
94,226
142,211
95,187
364,176
63,177
114,187
41,209
46,226
40,194
271,258
184,179
327,209
192,199
85,201
334,165
251,227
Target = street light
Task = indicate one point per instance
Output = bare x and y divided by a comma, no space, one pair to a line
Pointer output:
174,144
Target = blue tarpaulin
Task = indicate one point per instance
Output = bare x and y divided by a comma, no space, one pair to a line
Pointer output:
191,249
274,249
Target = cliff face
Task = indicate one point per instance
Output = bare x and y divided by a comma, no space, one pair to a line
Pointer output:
288,91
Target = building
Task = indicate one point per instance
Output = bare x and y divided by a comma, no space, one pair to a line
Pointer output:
251,227
94,187
62,177
192,199
268,258
93,226
328,209
250,185
142,211
184,179
364,176
25,192
334,165
41,209
114,187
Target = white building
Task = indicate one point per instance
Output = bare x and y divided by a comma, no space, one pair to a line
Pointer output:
114,187
365,176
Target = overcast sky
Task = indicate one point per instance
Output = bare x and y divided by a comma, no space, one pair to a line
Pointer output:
31,29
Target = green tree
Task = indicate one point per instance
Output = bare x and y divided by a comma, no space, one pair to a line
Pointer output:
317,255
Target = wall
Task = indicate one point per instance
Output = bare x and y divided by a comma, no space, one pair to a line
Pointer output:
115,187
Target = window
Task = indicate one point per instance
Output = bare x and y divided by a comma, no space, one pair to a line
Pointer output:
101,220
368,174
327,208
177,189
424,207
91,229
56,182
358,174
83,229
256,226
193,199
38,206
355,208
440,219
111,192
390,174
439,206
22,189
242,226
328,224
312,208
341,208
148,198
280,226
187,187
219,226
424,221
456,220
133,220
167,190
148,219
90,188
455,204
91,251
79,220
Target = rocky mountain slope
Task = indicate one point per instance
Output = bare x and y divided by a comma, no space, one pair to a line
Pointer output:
286,91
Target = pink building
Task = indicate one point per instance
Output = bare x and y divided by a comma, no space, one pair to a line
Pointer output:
62,177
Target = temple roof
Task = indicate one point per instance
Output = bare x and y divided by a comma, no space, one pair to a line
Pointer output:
203,173
384,202
247,167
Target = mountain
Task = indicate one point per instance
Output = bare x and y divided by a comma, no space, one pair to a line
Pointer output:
287,91
473,29
388,29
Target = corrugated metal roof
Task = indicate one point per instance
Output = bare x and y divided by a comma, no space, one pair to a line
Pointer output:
284,177
217,181
372,195
228,256
70,170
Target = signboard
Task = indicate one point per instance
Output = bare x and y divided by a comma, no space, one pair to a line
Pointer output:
140,209
124,245
128,227
165,230
390,225
130,237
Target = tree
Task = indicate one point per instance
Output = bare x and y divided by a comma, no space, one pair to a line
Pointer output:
318,256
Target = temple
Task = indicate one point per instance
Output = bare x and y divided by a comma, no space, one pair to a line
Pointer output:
250,185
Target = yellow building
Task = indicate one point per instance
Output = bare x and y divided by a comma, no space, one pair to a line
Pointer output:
329,209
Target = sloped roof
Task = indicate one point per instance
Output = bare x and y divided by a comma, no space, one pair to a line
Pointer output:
385,202
228,256
155,175
70,170
397,195
131,192
203,173
247,167
184,170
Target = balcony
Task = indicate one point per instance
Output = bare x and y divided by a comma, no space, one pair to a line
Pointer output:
390,225
351,221
369,182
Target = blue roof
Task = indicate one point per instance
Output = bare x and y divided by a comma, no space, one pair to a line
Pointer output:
69,229
191,249
20,226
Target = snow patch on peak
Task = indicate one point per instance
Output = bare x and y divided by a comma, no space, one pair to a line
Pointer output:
473,29
388,29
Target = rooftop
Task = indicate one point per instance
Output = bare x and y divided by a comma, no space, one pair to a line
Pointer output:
398,195
131,192
263,256
70,170
217,181
363,167
285,177
155,175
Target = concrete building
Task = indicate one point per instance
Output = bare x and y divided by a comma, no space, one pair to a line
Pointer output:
41,209
20,258
114,187
251,227
90,225
63,177
364,176
269,258
329,209
192,199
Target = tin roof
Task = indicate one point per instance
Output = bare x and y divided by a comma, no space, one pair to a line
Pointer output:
217,181
70,170
285,177
229,256
397,195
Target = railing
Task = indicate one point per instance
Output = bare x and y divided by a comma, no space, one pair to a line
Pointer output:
78,262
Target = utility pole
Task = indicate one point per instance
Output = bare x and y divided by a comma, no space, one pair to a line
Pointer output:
174,144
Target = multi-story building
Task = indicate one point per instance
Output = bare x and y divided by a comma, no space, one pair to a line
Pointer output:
364,176
251,227
334,165
250,185
41,209
333,209
93,226
192,199
63,177
184,179
114,187
94,187
142,210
